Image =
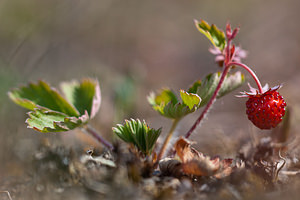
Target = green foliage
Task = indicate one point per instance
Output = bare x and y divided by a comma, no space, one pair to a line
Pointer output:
85,96
167,104
51,121
189,99
139,134
198,95
41,95
206,88
215,35
51,112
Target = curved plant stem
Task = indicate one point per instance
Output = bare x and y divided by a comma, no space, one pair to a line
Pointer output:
213,98
89,129
227,64
210,103
250,72
168,138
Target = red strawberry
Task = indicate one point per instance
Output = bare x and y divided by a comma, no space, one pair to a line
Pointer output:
266,109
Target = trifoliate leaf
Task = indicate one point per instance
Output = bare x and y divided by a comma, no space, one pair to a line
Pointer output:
215,35
51,112
41,95
167,104
206,88
139,134
84,95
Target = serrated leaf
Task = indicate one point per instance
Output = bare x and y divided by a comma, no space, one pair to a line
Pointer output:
41,95
206,88
51,112
139,134
84,95
189,99
45,121
167,104
213,33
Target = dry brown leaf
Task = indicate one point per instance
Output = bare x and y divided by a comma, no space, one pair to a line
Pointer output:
185,152
201,167
195,163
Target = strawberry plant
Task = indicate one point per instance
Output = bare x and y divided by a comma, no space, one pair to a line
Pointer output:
79,101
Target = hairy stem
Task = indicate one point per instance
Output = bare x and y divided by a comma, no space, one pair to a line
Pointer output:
168,138
250,72
89,129
209,104
227,64
227,52
213,98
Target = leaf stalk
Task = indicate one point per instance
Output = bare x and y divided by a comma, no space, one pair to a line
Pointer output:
167,139
90,130
210,103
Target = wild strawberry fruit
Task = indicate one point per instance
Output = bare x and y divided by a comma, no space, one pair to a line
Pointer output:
265,110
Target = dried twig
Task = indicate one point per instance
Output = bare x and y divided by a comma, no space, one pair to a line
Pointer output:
280,168
8,194
290,173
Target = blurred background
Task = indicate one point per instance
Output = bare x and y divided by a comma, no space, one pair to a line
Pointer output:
134,47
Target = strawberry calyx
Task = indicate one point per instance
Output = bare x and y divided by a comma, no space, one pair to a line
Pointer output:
255,92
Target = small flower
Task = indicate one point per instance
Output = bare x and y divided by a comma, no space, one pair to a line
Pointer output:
237,53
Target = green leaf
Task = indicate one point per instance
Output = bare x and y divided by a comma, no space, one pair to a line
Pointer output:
158,102
51,112
167,104
41,95
139,134
215,35
84,95
191,100
175,111
166,95
45,121
206,88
